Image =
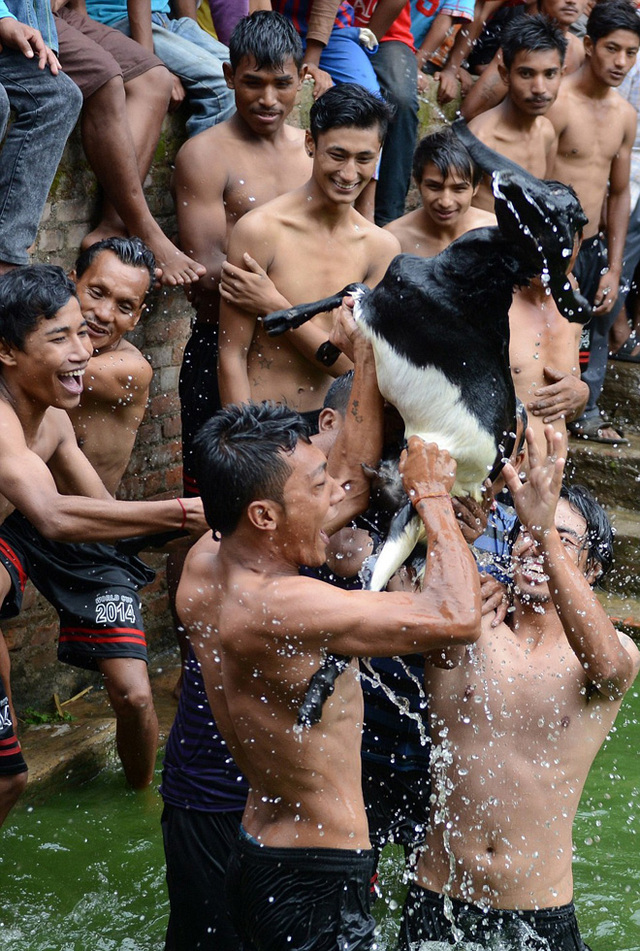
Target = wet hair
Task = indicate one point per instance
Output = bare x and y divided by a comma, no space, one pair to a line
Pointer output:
521,417
240,456
339,393
532,34
268,38
445,150
131,251
599,531
607,17
28,295
349,105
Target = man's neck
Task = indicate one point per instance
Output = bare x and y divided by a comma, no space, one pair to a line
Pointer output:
515,118
29,413
589,84
256,554
329,213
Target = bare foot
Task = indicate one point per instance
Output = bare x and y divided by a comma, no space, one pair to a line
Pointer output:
104,229
177,267
5,267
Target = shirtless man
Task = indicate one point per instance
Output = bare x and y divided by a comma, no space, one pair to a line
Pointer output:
112,278
525,717
490,89
544,358
260,629
302,247
447,179
533,52
596,129
258,157
52,497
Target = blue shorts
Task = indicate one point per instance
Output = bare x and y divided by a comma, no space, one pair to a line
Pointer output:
92,587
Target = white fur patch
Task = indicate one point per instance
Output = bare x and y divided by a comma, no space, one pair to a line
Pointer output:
432,408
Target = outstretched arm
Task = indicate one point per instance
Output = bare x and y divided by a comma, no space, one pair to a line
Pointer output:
609,660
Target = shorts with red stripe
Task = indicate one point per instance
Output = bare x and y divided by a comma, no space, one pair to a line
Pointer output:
11,759
93,587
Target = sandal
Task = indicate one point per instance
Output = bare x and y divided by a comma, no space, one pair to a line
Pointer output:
625,352
591,429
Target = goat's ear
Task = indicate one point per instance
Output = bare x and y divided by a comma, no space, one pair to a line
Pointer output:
369,471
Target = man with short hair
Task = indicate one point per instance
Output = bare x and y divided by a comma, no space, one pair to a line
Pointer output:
303,246
300,870
258,157
112,278
533,52
447,178
519,722
52,498
596,130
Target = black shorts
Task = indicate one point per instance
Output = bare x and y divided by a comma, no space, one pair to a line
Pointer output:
196,847
92,587
199,395
548,929
300,899
11,759
397,803
591,260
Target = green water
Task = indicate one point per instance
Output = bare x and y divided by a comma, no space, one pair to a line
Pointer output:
84,871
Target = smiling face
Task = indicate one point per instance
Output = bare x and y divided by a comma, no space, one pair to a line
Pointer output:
612,56
529,575
309,497
49,368
445,200
111,296
534,80
264,97
344,161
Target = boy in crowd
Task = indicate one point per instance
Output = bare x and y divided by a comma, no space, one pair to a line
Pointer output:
596,130
447,179
533,52
258,157
304,246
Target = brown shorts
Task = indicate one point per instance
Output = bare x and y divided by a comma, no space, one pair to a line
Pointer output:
91,53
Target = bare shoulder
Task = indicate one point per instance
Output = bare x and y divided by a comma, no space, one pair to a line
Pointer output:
479,218
632,650
379,238
125,365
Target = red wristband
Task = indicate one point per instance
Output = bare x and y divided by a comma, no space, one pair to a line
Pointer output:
184,513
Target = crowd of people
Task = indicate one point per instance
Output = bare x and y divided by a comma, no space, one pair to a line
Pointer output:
459,711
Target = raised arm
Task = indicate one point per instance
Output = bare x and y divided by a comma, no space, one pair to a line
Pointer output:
360,440
610,660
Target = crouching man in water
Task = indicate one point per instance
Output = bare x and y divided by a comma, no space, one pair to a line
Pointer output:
299,875
521,719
